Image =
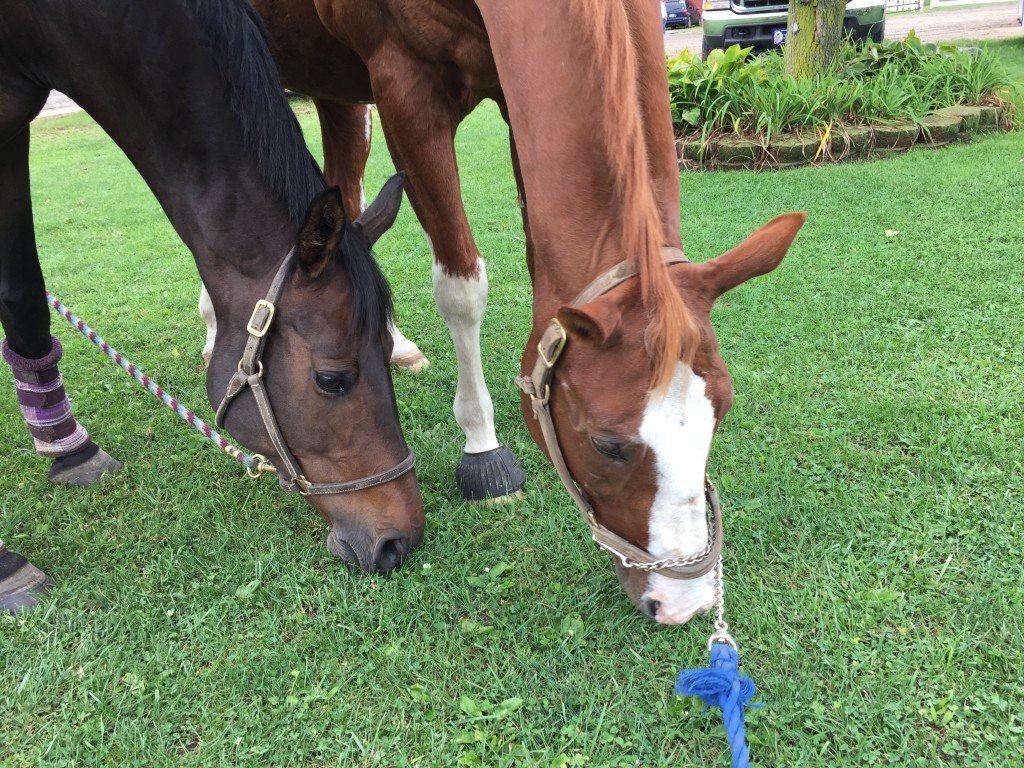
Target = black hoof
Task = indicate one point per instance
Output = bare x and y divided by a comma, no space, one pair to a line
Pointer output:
84,468
490,476
22,585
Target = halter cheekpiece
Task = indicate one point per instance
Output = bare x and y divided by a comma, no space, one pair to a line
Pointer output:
250,374
538,386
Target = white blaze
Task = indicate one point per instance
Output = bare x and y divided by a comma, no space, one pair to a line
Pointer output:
678,428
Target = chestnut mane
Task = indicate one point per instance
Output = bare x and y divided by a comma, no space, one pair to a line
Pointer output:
672,332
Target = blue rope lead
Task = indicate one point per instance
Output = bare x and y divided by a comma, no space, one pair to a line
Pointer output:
723,686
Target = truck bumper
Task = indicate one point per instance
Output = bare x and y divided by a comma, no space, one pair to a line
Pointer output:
721,33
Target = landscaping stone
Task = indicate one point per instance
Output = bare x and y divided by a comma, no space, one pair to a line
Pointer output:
850,141
988,118
689,149
878,139
737,152
970,117
937,130
794,150
890,138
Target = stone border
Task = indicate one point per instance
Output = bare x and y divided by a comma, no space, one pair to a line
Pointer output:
870,141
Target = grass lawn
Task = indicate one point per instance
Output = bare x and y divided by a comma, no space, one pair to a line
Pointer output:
870,469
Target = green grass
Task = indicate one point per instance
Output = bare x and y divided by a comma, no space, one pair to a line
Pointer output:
871,474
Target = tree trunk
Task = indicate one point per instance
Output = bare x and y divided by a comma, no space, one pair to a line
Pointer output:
814,32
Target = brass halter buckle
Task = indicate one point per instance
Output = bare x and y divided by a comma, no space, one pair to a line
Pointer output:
259,331
563,337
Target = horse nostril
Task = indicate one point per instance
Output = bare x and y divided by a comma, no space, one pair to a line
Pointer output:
390,553
341,549
650,607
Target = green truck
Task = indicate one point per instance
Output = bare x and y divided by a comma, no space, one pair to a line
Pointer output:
761,24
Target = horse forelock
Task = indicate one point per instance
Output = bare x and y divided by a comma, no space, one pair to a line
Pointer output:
672,333
370,300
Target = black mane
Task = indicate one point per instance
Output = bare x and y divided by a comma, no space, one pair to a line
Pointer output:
273,136
270,131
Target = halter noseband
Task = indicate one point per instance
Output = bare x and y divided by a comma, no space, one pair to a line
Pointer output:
538,386
250,374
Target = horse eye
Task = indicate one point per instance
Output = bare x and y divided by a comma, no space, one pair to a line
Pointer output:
334,382
613,449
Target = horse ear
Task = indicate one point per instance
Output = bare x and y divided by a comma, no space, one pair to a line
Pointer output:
597,320
757,255
318,236
381,213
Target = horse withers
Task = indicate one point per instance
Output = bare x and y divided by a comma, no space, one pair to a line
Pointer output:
640,386
189,92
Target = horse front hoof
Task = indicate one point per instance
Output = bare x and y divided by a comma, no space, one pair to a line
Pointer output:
492,476
414,362
82,469
22,585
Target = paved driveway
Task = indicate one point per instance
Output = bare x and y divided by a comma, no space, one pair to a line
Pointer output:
993,22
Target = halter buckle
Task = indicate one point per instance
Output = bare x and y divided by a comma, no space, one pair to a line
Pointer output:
259,331
549,362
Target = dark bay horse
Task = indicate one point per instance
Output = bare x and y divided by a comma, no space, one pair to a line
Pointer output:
189,91
640,386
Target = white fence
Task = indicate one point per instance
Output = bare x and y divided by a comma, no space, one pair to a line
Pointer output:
906,5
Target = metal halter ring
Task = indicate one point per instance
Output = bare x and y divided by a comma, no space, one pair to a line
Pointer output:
259,367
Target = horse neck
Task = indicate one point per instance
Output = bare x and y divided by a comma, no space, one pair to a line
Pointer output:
581,88
161,96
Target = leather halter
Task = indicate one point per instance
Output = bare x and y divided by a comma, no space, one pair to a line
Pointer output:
538,386
250,374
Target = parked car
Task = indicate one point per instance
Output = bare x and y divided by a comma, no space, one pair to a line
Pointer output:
761,24
678,14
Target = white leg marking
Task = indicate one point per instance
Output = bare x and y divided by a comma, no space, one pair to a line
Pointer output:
210,318
405,354
461,304
367,129
678,427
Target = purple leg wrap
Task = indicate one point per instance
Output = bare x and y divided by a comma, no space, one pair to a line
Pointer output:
44,403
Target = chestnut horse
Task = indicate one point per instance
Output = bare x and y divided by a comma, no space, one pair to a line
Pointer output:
189,91
640,386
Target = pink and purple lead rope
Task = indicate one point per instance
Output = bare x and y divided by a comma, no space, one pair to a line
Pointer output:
252,462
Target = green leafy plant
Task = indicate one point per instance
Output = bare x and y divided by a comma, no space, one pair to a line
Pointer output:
733,92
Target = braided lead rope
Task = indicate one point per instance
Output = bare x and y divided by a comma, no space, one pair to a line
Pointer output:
721,684
254,464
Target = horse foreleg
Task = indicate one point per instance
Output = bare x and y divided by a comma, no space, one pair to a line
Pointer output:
29,349
210,319
420,135
346,132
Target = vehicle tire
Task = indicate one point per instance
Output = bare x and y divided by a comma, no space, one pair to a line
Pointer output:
879,33
705,47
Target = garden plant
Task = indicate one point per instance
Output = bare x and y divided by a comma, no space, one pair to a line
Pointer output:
758,110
